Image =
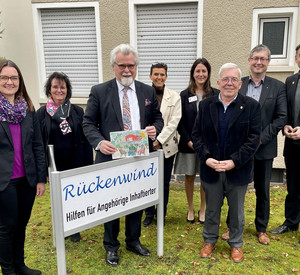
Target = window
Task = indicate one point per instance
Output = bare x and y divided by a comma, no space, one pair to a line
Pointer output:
276,28
168,32
67,41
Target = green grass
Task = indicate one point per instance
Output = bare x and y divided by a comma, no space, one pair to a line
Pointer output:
182,244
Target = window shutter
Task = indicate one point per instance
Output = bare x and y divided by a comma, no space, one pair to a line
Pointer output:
167,33
70,46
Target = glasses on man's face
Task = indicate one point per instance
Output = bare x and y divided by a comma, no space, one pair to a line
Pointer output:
262,59
234,80
123,66
4,79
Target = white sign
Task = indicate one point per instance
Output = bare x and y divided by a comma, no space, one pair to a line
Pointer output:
99,194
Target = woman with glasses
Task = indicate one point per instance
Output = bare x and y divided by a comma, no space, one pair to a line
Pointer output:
22,167
187,161
61,126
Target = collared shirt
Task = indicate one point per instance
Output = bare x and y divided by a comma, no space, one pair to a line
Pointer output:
253,90
133,102
224,105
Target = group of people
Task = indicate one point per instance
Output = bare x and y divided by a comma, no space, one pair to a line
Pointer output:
227,135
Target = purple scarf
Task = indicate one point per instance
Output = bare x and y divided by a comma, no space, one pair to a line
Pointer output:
12,113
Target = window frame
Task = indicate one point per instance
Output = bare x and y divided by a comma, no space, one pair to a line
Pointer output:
36,10
277,63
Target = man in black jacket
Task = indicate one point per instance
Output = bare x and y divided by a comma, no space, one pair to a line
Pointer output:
292,153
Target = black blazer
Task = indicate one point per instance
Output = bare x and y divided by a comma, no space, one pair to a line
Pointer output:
291,87
103,113
273,114
242,139
84,151
186,124
33,151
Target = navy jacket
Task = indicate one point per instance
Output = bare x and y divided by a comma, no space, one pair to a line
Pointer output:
186,124
242,139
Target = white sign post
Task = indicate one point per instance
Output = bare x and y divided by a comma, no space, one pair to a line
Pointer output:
85,197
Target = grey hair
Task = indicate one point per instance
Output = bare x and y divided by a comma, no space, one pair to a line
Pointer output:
230,66
260,47
124,49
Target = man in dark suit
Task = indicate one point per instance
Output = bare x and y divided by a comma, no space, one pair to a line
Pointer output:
226,136
107,111
270,93
292,153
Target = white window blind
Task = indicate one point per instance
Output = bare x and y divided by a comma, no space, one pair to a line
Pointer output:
70,46
167,33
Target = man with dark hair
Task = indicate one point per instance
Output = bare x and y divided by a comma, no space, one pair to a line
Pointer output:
117,105
292,153
169,103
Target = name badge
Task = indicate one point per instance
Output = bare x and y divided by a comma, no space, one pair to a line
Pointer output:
192,99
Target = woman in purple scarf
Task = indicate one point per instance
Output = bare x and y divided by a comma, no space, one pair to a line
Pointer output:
22,167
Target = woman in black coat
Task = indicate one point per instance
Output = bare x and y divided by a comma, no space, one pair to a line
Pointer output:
61,126
22,167
187,161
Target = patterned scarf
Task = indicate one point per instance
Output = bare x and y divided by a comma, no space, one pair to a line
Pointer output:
12,113
60,114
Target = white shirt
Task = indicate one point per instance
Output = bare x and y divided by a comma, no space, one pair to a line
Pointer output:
133,103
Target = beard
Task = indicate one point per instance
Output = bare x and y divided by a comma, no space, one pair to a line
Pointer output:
126,81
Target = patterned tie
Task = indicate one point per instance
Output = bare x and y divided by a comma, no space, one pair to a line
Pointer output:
126,111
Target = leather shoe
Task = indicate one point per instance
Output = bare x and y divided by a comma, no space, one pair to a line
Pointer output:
75,237
206,250
201,222
282,229
237,254
225,235
112,258
263,238
147,221
139,250
24,270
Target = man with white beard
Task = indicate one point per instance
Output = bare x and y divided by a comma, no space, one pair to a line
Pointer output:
121,104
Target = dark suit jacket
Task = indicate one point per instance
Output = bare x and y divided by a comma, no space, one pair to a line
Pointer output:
273,114
186,124
84,151
291,87
33,151
242,139
103,113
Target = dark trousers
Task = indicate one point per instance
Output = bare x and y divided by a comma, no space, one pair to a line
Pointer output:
262,177
292,200
132,231
16,203
168,166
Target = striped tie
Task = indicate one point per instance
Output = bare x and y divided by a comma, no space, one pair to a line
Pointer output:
126,111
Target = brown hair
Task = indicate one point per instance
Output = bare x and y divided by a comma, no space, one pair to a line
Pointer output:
192,85
60,77
22,92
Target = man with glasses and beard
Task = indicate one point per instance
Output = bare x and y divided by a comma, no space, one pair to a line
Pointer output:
121,104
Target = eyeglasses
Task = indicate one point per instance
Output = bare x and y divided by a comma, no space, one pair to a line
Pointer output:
4,78
234,80
262,59
123,66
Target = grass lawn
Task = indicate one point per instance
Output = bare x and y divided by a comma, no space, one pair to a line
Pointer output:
182,244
